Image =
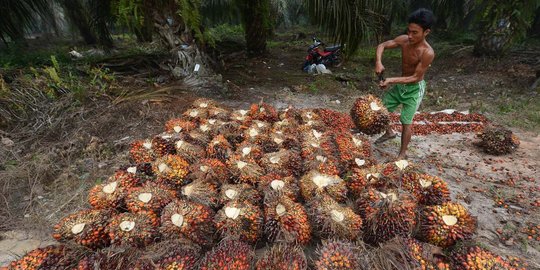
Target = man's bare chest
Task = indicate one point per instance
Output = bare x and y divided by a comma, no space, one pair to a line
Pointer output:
411,56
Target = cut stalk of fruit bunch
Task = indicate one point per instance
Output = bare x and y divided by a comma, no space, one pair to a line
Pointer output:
282,257
272,183
285,220
315,183
283,162
369,115
151,197
219,148
229,254
86,228
244,170
334,220
444,225
240,219
428,189
239,192
190,220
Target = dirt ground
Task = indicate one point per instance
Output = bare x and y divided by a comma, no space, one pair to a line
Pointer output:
55,170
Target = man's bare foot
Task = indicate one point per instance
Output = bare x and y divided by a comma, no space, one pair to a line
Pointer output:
385,138
402,157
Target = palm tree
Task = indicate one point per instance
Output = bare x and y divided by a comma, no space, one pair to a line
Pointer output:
19,15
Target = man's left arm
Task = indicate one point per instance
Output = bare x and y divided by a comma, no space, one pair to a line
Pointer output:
421,68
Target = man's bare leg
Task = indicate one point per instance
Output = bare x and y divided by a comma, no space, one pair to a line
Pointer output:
389,134
406,134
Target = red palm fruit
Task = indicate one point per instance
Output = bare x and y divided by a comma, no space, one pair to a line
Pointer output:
211,125
285,220
286,127
190,220
369,115
177,254
443,225
141,151
428,189
241,116
219,148
274,183
371,176
133,229
392,214
282,257
314,183
244,170
86,228
163,145
309,115
407,253
336,255
129,177
107,195
232,131
330,219
228,255
210,170
196,114
219,113
239,192
497,140
262,126
171,170
393,171
51,257
203,192
178,125
151,197
283,162
190,152
352,151
240,219
292,114
263,112
286,141
339,122
250,151
477,258
197,137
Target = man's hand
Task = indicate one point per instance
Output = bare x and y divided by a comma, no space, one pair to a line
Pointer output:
384,84
379,68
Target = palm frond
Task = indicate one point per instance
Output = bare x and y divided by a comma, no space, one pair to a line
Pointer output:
18,15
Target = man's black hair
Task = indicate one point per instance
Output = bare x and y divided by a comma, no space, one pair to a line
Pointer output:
423,17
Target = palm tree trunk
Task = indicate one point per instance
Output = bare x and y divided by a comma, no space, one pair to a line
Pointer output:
256,24
75,12
493,41
102,15
535,27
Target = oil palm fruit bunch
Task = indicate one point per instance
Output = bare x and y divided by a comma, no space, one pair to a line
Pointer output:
171,170
253,134
369,115
228,255
285,220
189,151
263,112
86,228
268,145
249,151
362,145
325,164
262,126
212,125
133,229
393,171
336,255
392,214
498,140
164,145
107,195
408,253
282,257
286,140
359,179
203,103
196,114
179,257
443,225
232,132
178,125
198,137
240,116
141,151
132,176
239,192
51,257
336,121
244,170
283,162
151,197
210,170
285,127
477,258
333,220
353,152
309,115
274,183
219,113
219,148
292,114
428,189
240,219
187,219
201,191
314,183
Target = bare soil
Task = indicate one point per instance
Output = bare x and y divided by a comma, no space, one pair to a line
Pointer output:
46,177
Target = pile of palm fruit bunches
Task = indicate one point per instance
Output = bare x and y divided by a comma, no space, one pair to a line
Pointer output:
266,189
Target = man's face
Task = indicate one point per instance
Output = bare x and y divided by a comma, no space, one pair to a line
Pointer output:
416,33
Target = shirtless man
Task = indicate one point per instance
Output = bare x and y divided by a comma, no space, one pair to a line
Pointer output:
408,89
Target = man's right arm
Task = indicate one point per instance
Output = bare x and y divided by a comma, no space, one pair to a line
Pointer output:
389,44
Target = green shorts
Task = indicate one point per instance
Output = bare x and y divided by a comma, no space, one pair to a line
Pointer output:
410,95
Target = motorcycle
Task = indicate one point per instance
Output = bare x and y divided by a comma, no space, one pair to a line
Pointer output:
327,56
